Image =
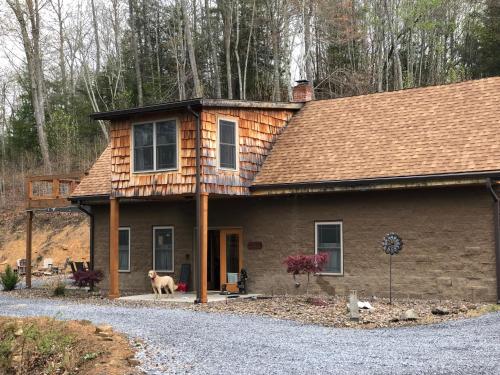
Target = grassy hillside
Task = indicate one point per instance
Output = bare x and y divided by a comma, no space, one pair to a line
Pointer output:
55,235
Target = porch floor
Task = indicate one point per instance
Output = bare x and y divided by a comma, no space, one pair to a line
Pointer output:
213,296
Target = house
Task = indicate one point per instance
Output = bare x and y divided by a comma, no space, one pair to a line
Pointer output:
275,179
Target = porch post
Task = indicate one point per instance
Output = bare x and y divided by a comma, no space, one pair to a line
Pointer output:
29,240
203,246
114,225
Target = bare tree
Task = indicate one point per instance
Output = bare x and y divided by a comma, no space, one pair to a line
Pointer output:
249,41
96,38
135,51
226,7
198,89
213,50
308,7
57,6
28,19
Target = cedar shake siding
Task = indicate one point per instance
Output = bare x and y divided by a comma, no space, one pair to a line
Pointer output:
447,232
258,129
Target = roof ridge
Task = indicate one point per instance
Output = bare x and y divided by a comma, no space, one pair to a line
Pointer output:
411,89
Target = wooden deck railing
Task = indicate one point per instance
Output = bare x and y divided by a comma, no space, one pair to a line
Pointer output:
50,191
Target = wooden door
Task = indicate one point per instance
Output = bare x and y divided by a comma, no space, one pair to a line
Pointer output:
231,257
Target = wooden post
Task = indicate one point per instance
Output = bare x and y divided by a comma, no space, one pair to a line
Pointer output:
29,237
114,226
204,246
55,188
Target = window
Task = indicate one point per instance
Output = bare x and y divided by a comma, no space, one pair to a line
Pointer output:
163,249
155,146
329,240
124,250
227,144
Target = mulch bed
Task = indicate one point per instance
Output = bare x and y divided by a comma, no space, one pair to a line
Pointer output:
333,312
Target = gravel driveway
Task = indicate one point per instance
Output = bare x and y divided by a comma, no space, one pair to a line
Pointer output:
180,341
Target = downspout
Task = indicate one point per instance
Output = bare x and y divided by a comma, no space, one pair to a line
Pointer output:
198,200
91,216
496,221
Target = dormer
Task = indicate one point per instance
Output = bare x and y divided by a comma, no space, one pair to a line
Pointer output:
153,149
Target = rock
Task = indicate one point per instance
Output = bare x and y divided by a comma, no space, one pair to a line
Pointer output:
103,328
439,311
104,334
365,305
317,302
409,315
133,362
463,309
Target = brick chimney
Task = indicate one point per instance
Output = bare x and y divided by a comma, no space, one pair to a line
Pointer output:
302,92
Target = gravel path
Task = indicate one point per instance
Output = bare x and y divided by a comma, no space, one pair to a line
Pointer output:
180,341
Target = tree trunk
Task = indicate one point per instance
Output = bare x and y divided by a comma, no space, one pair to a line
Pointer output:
31,43
135,51
57,6
227,16
236,47
213,51
96,38
245,69
308,12
276,66
198,89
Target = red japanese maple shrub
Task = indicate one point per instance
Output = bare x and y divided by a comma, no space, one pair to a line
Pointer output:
305,264
87,278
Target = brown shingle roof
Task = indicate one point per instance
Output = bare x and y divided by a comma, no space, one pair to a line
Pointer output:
435,130
98,179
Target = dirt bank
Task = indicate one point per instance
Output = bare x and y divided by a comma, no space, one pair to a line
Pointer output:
56,235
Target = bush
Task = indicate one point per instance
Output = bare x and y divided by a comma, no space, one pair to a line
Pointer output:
87,278
59,289
305,264
9,279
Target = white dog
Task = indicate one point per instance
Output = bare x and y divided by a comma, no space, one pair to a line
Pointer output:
159,282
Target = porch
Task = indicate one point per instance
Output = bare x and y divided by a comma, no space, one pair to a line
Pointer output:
190,297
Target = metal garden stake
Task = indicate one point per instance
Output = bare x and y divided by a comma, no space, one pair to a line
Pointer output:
392,244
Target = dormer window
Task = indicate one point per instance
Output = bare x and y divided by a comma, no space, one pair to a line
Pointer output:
228,142
155,146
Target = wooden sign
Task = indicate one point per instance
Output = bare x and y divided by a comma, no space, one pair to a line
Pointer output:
254,245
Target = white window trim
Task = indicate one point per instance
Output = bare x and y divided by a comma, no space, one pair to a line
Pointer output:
129,241
316,225
173,248
177,151
236,140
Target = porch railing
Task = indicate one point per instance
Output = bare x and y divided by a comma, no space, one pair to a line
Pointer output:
50,191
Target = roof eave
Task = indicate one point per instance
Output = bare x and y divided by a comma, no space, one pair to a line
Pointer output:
463,178
88,198
199,102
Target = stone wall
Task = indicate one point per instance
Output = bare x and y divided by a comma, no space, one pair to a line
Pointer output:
448,236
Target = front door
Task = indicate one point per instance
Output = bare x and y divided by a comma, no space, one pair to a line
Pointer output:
213,260
231,258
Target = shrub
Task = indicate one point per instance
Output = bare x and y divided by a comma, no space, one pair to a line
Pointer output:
305,264
9,279
87,278
59,289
